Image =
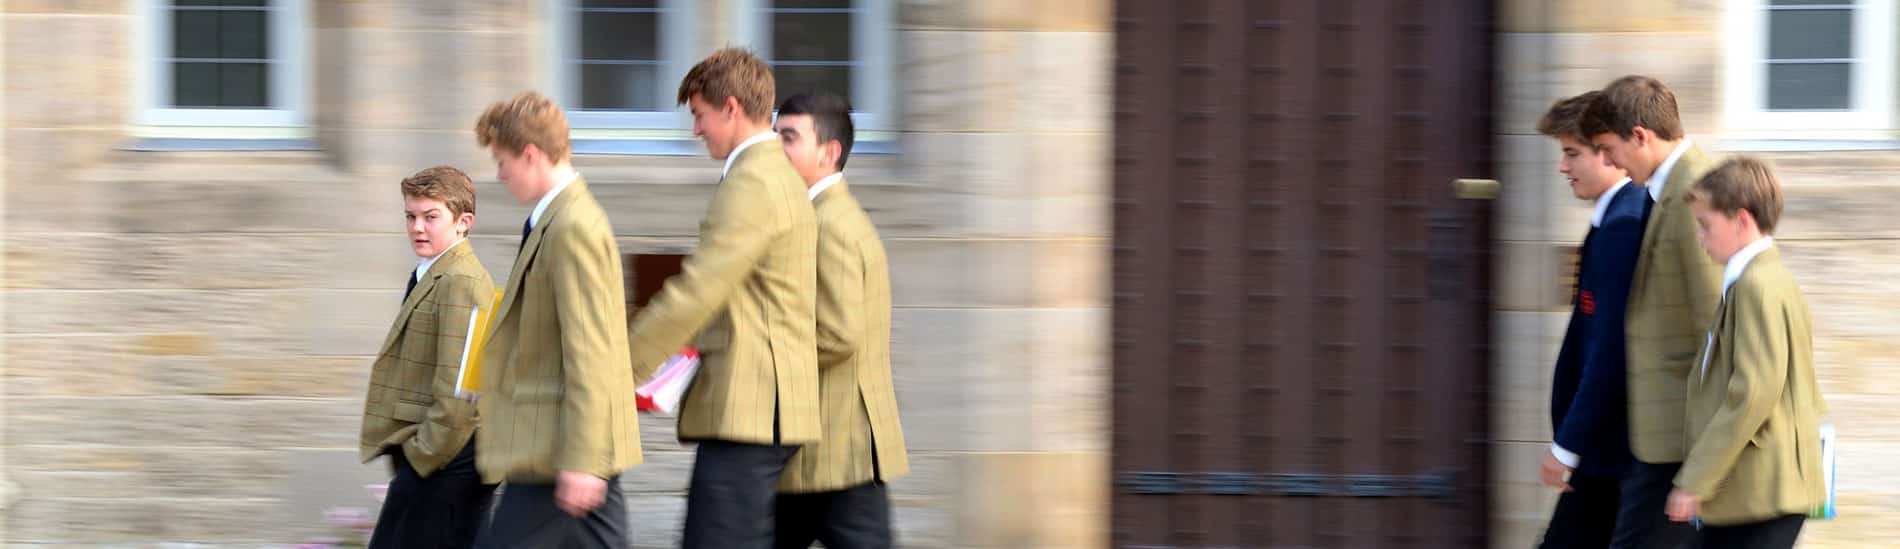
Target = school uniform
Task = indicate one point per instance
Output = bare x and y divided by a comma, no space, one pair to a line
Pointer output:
1754,408
1588,402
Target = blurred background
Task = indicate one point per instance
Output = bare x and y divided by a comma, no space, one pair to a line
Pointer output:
1167,273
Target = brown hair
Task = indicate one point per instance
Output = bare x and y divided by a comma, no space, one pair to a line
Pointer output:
1741,183
528,119
1565,117
1633,101
443,183
732,72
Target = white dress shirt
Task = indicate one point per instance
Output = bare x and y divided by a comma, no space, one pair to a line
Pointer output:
567,177
422,266
1603,203
822,184
1656,180
749,142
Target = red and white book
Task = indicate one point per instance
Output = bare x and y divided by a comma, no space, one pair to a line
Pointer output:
662,394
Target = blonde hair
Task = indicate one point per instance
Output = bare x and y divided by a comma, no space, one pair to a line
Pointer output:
527,119
732,72
443,183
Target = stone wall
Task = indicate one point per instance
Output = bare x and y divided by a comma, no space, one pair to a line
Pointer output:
187,334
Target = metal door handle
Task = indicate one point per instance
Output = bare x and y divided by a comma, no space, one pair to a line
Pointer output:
1474,189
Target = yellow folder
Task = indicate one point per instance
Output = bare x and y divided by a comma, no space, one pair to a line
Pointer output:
468,381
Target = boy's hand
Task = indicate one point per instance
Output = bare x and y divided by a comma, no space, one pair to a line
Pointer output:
1554,473
1683,506
578,493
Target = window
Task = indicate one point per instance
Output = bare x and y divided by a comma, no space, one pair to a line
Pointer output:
1824,67
837,46
619,62
222,63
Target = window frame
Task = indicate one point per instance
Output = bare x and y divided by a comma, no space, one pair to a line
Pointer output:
1871,114
873,48
678,24
289,73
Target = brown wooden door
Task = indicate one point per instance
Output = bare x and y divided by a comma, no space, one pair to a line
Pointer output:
1301,321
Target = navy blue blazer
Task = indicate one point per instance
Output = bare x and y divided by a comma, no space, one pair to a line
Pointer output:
1588,398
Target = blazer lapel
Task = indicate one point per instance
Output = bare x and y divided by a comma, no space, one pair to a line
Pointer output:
1674,189
1646,254
529,249
1710,342
422,289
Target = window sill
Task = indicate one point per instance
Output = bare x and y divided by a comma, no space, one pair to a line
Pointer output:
692,147
198,144
1807,145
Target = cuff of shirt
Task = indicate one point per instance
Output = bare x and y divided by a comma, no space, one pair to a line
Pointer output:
1568,458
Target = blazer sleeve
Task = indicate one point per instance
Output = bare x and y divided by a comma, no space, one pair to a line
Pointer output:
584,262
739,226
450,419
1758,342
840,297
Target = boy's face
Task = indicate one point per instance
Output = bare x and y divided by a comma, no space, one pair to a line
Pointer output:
432,228
716,125
519,172
1723,235
809,159
1589,172
1626,154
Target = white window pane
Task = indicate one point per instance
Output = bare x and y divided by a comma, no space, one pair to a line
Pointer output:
796,79
1811,34
618,49
227,49
800,36
221,85
1809,86
620,35
811,4
620,4
195,34
620,87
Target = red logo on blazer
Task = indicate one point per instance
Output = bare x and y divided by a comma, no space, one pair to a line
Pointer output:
1587,302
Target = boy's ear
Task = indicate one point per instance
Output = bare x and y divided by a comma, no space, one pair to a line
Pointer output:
834,149
1641,136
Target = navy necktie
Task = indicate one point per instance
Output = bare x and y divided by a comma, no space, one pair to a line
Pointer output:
527,226
412,286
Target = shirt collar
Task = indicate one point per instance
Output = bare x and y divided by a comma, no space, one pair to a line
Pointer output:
754,140
1603,202
822,184
1739,262
422,266
567,178
1656,180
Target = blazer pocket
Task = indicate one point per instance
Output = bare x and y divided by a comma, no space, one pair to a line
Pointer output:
410,412
1686,356
536,393
422,320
